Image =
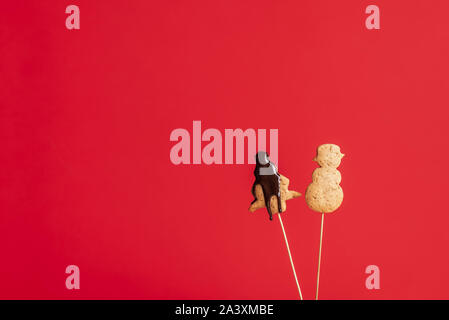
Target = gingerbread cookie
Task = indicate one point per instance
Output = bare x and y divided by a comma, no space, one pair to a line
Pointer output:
270,190
324,194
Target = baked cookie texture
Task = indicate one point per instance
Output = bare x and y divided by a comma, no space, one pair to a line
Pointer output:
324,194
285,195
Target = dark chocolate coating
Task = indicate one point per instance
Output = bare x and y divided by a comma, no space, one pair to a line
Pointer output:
269,180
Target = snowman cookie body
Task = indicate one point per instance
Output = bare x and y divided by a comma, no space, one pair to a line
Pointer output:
324,194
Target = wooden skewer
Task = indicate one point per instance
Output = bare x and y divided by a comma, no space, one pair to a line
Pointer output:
319,258
290,256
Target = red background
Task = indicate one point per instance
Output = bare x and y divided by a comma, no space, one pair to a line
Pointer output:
86,178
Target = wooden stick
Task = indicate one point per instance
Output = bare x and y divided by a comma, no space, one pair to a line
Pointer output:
319,257
290,256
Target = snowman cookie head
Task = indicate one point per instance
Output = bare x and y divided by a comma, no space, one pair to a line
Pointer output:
328,155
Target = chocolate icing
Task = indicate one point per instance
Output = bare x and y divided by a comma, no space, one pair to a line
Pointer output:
269,180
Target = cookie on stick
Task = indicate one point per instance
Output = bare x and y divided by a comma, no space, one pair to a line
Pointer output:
324,194
270,190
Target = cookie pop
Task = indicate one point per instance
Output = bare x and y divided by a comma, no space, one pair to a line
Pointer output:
324,194
270,190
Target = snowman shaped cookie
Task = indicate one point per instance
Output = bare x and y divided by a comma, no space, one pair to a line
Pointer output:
324,194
